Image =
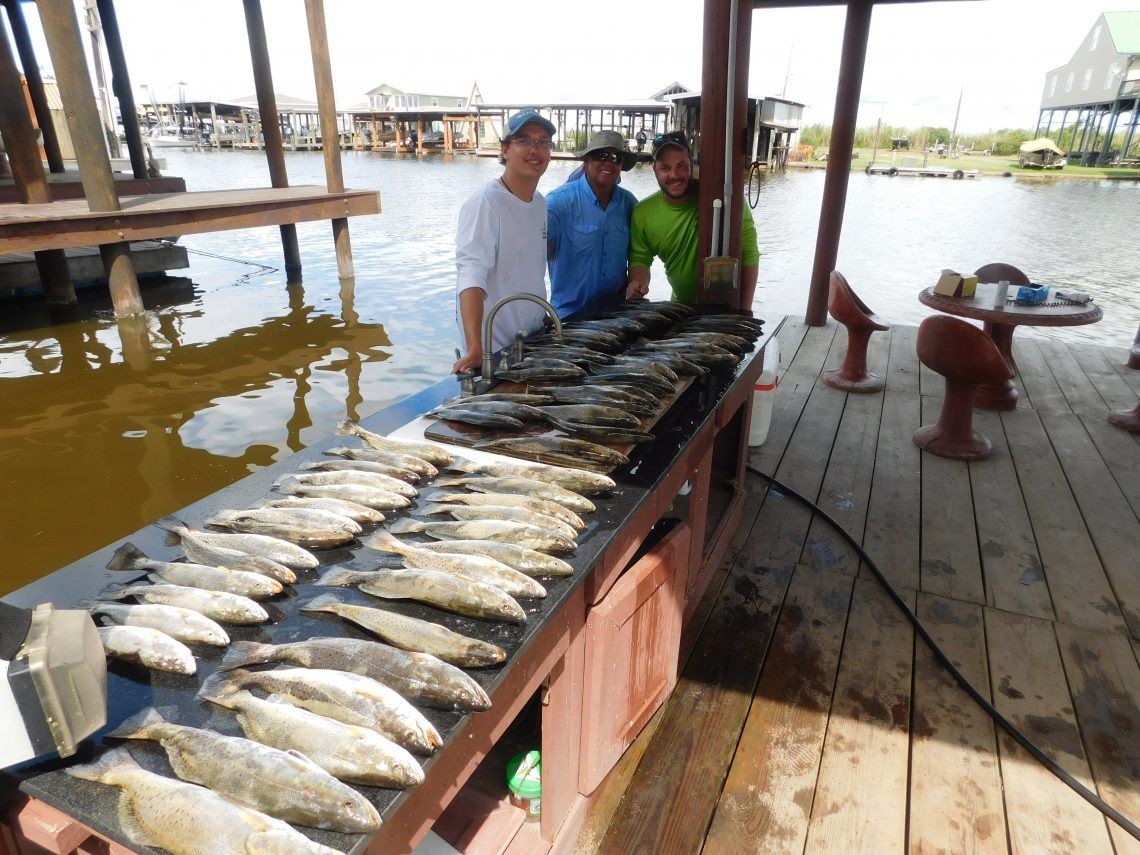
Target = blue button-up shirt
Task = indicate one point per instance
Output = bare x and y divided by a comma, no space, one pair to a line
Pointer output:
587,245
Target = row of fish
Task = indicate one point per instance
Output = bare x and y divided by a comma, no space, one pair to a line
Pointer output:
344,711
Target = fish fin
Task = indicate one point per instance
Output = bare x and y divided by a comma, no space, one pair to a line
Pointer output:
321,603
433,508
341,577
126,557
136,726
304,758
104,765
405,526
245,653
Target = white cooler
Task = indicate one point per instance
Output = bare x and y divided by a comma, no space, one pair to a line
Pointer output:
763,393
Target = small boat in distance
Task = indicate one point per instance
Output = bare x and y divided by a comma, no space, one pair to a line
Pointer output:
169,135
1041,153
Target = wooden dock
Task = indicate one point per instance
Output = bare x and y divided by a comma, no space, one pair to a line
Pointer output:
810,718
18,270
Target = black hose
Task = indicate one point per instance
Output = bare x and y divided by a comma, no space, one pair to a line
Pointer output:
1004,723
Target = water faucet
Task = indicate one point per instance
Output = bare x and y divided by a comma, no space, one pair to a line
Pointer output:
488,369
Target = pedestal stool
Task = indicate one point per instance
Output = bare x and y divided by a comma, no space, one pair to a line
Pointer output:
844,305
966,357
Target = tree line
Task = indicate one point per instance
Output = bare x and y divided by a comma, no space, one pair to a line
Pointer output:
1006,141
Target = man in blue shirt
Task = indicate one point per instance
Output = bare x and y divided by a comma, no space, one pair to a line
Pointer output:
587,227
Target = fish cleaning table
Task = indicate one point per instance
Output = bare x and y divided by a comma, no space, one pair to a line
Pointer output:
568,650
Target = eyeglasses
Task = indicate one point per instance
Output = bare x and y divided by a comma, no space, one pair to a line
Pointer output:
535,144
673,137
606,157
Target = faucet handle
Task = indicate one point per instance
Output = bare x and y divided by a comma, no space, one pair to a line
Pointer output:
517,348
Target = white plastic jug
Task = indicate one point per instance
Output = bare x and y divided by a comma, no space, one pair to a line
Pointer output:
763,393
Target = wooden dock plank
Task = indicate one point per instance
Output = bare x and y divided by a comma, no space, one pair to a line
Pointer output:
1111,387
860,799
1105,682
1028,684
903,365
767,798
1077,582
1111,522
1079,392
698,732
955,790
950,563
69,223
1011,567
1036,380
802,350
893,519
1120,452
846,486
786,520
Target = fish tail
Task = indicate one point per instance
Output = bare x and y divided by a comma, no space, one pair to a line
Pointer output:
286,484
434,508
322,603
384,541
136,726
104,768
245,653
347,428
406,526
462,464
126,557
172,524
218,685
339,577
116,592
455,481
434,495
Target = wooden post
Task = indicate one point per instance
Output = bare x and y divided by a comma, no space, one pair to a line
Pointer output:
851,62
270,124
61,30
28,173
215,132
334,177
27,54
121,87
419,135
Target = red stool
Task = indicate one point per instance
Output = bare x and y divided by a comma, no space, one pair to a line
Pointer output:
966,357
1134,354
844,305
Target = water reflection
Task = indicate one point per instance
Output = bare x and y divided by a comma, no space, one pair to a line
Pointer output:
108,424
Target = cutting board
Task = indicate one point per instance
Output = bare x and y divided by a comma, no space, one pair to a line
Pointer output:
463,434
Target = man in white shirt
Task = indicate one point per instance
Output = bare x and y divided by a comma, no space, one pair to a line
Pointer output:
500,244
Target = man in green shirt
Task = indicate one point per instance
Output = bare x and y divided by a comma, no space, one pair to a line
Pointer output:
665,225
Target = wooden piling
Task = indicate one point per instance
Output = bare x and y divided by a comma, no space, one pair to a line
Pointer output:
121,87
23,40
28,173
61,30
330,133
270,125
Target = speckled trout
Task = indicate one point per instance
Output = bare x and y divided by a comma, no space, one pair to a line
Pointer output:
288,786
411,633
186,819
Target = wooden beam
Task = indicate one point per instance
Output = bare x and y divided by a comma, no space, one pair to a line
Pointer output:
61,29
27,53
852,59
121,87
330,133
29,228
270,124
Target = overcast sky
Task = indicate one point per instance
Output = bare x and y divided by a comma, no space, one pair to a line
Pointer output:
920,57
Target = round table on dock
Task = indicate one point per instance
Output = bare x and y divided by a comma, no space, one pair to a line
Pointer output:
1000,324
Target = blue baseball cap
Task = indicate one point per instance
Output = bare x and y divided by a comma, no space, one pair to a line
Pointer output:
526,116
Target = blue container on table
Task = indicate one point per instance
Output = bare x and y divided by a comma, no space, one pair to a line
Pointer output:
1032,293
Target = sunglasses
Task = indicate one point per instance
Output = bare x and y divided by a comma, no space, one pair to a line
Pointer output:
606,157
672,138
534,144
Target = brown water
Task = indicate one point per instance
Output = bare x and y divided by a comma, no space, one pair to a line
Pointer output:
107,425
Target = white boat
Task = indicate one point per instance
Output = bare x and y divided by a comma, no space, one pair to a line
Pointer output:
169,136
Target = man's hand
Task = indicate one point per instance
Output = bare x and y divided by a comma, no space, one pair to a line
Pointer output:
473,361
638,283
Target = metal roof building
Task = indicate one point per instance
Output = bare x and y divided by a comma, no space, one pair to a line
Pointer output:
1100,83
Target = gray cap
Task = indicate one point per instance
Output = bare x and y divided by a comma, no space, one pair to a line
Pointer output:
614,140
